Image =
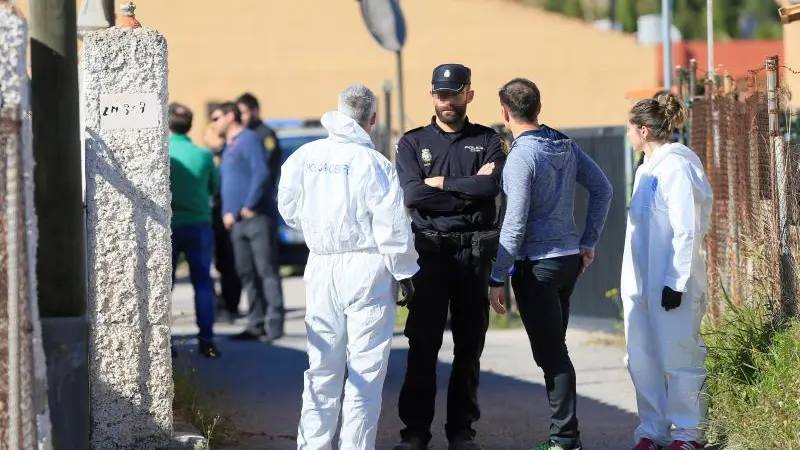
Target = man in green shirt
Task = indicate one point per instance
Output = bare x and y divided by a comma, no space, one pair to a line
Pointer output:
194,179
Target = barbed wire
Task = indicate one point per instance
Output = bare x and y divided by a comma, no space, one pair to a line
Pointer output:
703,74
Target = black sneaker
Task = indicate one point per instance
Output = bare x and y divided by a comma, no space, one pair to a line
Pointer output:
209,350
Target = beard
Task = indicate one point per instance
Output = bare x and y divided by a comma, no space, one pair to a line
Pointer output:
451,114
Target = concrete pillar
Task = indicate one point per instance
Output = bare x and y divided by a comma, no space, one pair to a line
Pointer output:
24,419
128,235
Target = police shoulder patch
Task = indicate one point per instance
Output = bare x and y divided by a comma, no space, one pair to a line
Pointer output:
269,143
504,145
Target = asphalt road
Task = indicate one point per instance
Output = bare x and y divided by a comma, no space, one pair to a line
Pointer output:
260,386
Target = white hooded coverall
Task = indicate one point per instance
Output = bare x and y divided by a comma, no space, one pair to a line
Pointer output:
667,221
345,198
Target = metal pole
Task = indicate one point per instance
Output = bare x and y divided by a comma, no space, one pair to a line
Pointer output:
679,72
61,269
110,10
666,39
612,13
387,119
710,36
781,190
400,93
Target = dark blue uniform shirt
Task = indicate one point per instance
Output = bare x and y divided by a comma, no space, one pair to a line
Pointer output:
467,202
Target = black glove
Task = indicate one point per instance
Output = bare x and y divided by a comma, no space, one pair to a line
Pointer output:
407,292
670,299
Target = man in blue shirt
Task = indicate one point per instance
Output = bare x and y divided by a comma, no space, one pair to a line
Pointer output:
540,239
250,213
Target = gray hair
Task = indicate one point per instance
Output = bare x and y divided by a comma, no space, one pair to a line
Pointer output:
358,103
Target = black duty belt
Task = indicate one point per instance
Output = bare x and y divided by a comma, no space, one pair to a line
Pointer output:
460,239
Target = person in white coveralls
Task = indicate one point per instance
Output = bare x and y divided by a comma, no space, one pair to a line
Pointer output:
345,199
663,284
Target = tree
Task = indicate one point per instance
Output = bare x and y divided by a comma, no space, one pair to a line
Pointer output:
689,17
553,5
627,14
572,8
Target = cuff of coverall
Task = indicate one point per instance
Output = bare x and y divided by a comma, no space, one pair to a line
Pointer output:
677,285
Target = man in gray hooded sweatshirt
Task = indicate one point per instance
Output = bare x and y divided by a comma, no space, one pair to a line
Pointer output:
540,241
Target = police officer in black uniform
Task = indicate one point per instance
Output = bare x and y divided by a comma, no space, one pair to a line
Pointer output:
450,175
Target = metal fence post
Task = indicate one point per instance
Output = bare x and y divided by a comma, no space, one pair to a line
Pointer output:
711,242
691,92
780,191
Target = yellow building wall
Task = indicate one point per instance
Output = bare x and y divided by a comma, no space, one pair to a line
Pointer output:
296,55
791,52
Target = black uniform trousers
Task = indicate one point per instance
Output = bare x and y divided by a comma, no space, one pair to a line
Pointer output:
451,277
230,285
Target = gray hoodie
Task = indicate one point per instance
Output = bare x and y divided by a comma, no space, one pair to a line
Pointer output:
539,179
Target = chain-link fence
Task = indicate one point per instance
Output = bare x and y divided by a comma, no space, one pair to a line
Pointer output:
742,131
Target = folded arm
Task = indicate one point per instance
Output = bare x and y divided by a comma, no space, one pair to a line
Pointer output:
481,186
416,193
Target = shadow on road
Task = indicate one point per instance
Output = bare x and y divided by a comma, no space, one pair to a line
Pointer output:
260,388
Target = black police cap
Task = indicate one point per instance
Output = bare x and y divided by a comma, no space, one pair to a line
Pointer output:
451,77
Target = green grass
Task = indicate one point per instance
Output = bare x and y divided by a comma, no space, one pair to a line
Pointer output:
495,321
197,409
753,381
505,321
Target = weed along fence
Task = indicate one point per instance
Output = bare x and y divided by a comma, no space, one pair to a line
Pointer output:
746,135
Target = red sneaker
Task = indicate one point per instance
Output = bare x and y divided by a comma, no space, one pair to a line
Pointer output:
683,445
647,444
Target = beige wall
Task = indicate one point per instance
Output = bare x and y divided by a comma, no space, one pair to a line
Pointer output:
791,52
295,55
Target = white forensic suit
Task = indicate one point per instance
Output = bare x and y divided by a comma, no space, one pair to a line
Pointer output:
345,198
667,221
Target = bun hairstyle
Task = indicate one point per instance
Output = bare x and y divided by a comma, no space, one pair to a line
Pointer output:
661,115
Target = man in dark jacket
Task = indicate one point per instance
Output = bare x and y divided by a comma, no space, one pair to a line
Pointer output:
251,118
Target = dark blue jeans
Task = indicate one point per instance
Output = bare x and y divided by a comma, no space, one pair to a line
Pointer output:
196,242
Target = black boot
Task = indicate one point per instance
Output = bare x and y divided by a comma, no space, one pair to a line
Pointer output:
209,350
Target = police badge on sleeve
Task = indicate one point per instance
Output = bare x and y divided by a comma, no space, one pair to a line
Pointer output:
426,157
504,146
269,143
